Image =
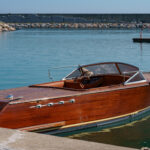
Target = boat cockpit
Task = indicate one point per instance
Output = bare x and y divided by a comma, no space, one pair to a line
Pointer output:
99,75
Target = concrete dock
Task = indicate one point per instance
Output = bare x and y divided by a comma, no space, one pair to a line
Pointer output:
18,140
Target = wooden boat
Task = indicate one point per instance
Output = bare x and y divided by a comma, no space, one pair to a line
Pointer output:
91,95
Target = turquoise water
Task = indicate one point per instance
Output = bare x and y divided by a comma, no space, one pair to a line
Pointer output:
26,56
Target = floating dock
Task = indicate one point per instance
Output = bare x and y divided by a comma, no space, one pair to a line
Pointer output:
141,40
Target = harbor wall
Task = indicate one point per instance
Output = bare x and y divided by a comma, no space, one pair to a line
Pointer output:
75,18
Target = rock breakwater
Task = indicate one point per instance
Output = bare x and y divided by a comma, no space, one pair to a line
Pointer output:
6,27
78,25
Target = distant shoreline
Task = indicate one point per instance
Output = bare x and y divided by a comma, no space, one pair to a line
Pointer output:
75,18
77,21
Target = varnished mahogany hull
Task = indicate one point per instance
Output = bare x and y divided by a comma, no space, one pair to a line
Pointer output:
88,107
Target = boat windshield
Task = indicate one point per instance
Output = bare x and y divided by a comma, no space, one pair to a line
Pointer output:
134,77
102,69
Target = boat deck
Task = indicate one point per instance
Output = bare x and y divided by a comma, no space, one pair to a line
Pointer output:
30,93
25,94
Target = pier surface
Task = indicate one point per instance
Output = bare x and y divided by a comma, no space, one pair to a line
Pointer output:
18,140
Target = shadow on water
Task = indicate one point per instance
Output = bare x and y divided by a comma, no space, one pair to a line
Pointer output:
135,134
120,135
141,48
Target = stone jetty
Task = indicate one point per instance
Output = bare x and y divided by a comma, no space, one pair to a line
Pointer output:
79,25
6,27
18,140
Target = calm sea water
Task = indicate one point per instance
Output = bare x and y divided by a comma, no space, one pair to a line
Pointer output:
26,56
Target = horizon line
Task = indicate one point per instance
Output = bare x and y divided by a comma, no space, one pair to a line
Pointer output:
81,13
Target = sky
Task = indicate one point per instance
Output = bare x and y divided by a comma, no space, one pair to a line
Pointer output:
74,6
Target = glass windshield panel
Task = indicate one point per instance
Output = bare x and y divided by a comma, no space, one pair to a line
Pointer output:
127,68
136,78
103,69
74,74
96,70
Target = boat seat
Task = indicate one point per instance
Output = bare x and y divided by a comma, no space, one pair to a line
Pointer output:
94,81
73,84
83,83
